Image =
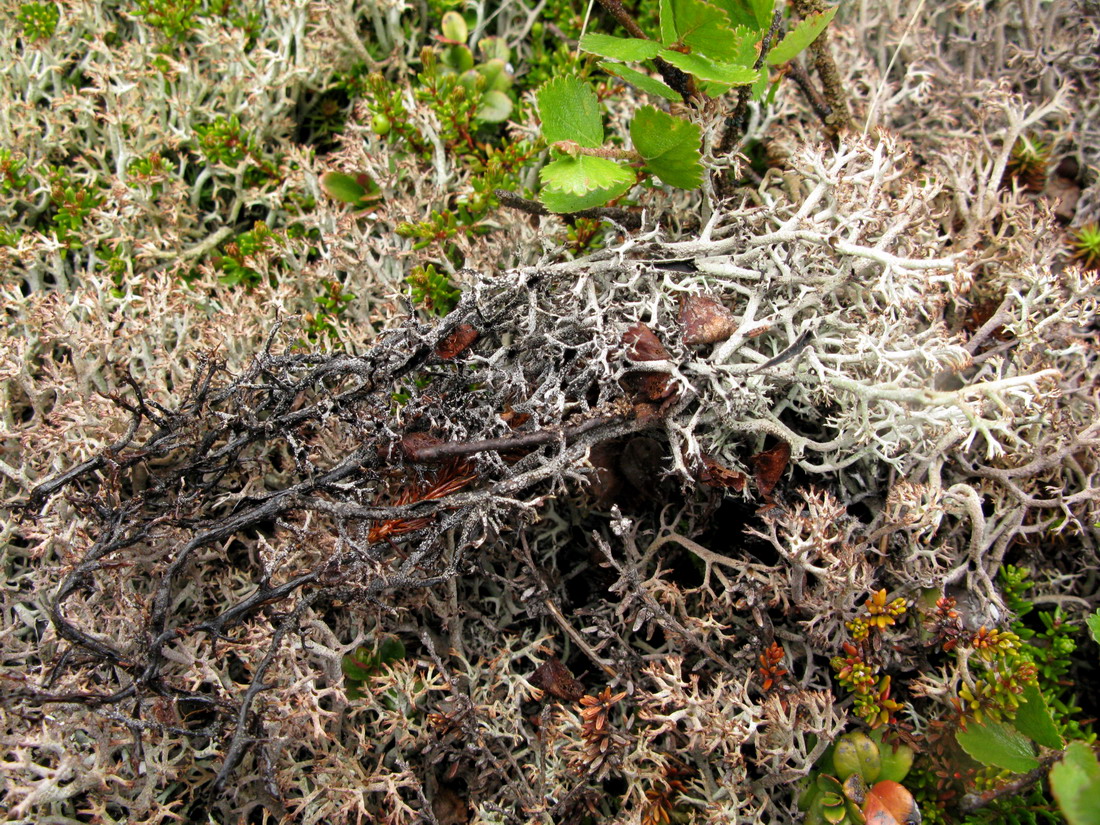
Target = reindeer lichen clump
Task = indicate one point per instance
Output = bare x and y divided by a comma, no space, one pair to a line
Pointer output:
437,476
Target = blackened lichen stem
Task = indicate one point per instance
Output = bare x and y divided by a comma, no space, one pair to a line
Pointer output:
427,453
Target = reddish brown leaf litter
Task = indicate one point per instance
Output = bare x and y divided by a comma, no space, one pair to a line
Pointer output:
705,320
889,803
768,467
555,678
642,344
714,474
457,342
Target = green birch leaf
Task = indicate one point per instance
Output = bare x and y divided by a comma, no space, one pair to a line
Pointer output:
742,50
702,26
1033,719
570,184
1075,782
760,87
668,25
714,43
743,47
999,745
341,187
706,69
756,14
799,38
762,10
713,89
649,85
1093,622
563,203
627,49
669,145
569,110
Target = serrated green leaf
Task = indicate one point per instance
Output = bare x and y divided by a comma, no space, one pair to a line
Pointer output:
760,87
999,745
669,145
707,69
629,49
762,10
703,26
711,89
1075,782
563,202
495,106
1033,719
649,85
341,187
574,183
799,38
668,26
743,48
569,110
1093,622
579,174
756,14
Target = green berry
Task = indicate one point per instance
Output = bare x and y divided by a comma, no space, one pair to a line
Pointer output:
856,753
380,125
895,762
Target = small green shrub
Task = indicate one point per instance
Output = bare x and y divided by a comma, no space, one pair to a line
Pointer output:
39,20
1016,711
433,290
331,305
367,662
176,19
72,203
13,177
234,263
1085,245
702,50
